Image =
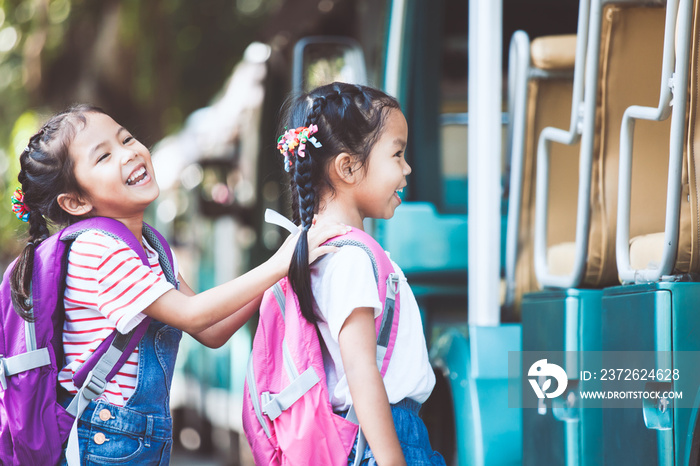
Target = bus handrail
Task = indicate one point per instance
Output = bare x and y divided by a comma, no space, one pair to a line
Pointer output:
581,128
672,93
518,71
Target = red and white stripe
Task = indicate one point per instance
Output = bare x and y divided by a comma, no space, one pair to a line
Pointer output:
107,287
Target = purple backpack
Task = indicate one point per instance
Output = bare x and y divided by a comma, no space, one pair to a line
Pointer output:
287,415
33,425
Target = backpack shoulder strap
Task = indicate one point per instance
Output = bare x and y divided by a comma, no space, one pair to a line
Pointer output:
110,356
388,285
387,282
125,343
160,244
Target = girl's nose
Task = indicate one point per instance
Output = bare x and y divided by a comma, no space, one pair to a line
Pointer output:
128,155
407,168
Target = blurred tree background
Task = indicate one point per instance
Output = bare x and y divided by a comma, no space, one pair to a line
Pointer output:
147,63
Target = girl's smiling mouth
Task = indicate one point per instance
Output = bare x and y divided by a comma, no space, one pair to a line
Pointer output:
138,176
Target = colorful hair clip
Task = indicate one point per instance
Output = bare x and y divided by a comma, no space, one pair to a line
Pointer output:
18,206
294,138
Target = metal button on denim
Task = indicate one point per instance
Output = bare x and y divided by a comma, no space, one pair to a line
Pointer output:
105,415
99,438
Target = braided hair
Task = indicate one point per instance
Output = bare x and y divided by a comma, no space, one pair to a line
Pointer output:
46,172
350,119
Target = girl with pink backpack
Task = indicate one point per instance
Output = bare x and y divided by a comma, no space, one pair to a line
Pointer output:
344,149
84,165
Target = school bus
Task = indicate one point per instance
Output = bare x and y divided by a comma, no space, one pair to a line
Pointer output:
550,269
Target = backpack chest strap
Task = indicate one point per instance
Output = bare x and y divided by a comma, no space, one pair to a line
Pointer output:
274,404
22,362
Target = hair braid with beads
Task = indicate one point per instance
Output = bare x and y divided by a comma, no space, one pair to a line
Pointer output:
350,119
46,172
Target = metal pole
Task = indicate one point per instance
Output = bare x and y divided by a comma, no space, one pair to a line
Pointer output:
484,152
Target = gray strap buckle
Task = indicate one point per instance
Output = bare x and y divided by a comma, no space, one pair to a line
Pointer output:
272,411
392,285
94,386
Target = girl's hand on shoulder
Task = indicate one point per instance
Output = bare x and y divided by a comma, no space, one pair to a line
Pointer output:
317,235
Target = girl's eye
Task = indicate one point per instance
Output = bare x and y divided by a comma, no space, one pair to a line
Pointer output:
102,157
399,154
128,139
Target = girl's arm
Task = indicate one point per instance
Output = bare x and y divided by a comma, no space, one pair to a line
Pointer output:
196,313
358,349
219,333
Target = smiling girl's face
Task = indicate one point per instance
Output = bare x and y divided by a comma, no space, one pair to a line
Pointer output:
113,169
376,196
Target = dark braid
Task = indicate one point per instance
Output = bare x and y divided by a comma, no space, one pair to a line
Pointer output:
46,172
350,119
294,198
307,200
303,176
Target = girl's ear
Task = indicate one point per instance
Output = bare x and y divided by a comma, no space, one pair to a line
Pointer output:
74,204
346,168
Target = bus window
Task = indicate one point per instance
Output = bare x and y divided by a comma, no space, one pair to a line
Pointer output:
325,59
435,103
434,96
453,107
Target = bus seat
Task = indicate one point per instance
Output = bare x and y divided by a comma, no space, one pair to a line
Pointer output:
625,43
630,72
549,92
649,183
564,159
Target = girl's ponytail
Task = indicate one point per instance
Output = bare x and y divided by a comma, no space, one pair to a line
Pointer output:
306,196
21,278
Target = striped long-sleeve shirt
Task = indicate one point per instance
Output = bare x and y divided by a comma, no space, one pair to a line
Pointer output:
107,287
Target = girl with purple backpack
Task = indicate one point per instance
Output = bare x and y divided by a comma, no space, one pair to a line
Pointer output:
345,154
82,164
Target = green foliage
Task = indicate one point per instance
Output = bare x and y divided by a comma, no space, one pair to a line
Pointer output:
147,63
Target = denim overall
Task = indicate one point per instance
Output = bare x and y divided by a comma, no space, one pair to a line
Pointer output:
413,437
141,431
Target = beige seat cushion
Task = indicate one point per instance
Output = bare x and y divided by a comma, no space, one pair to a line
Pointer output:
554,52
646,251
560,258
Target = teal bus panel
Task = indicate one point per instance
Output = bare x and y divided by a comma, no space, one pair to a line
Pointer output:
635,319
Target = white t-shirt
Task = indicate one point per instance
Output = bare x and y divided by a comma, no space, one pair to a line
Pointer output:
344,281
107,287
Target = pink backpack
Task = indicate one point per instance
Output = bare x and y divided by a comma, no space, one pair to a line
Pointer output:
287,415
